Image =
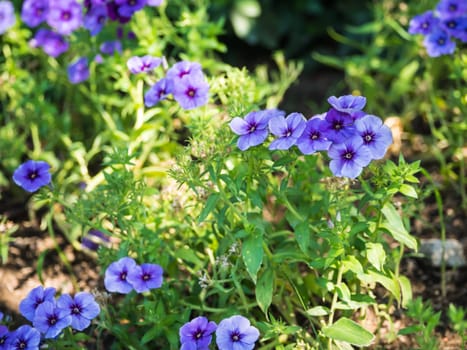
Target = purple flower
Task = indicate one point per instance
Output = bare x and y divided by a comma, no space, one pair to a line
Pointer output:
34,12
196,334
32,175
236,333
423,23
287,130
94,239
82,309
145,277
25,338
143,64
65,16
349,158
253,128
127,8
184,69
348,103
110,47
95,19
78,71
456,27
159,91
451,8
375,135
191,92
5,337
113,12
35,297
7,16
52,43
338,125
115,279
50,319
312,138
439,43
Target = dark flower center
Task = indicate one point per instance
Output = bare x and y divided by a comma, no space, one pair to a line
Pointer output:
39,12
288,132
451,24
146,276
252,127
425,25
123,276
314,135
101,19
338,125
348,155
452,7
191,92
235,336
66,15
183,73
2,340
52,319
38,301
199,334
441,41
132,2
75,309
368,137
161,93
22,344
32,175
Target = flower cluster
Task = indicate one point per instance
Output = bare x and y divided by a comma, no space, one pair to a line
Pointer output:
49,317
61,18
233,333
448,21
32,175
124,275
351,137
185,81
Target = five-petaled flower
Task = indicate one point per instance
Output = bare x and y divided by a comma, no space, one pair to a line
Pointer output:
253,128
24,338
197,334
116,275
143,64
50,319
349,157
287,130
35,297
236,333
145,277
376,136
32,175
82,308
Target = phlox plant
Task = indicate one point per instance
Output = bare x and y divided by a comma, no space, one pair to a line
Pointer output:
274,229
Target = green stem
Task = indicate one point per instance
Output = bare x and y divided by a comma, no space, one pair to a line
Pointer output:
334,300
439,203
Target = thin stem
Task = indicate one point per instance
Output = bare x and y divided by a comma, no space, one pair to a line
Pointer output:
439,204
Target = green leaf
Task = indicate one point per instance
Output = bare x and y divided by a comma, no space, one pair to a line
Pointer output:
396,228
303,236
408,190
348,331
376,255
252,253
406,290
264,290
210,204
389,283
318,311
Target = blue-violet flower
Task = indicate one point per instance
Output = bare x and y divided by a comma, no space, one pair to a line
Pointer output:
287,130
349,157
197,334
32,175
236,333
82,308
116,274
